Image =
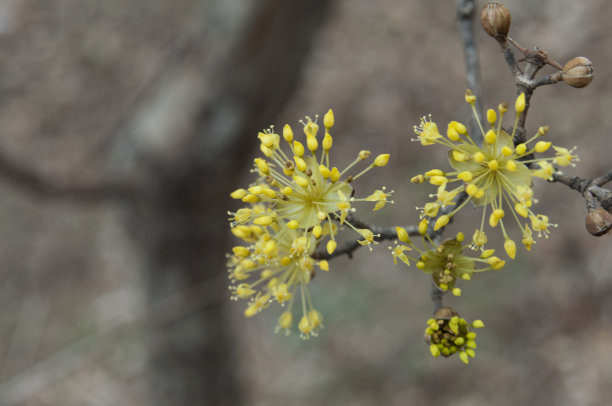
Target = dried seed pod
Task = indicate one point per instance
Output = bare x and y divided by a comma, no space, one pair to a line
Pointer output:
577,72
495,19
598,222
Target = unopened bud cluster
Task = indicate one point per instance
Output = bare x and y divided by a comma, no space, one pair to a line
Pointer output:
447,334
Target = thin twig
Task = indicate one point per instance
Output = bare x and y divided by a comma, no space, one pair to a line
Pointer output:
381,234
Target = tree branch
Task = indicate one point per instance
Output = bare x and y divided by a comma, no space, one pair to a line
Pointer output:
36,183
589,187
386,233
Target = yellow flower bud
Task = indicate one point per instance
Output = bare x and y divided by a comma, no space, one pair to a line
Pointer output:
263,220
328,119
335,174
477,324
441,222
519,105
287,133
521,148
490,136
542,146
317,231
293,225
364,154
327,142
312,143
381,160
510,248
324,265
465,176
298,148
331,246
434,172
324,171
491,116
402,234
300,163
238,193
423,227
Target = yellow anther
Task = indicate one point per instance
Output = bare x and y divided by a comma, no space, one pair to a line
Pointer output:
293,225
324,171
521,148
479,157
506,151
493,165
511,166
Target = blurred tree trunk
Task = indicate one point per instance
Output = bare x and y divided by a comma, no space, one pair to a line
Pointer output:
187,145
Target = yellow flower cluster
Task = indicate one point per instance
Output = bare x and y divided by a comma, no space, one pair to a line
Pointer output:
496,175
296,203
445,262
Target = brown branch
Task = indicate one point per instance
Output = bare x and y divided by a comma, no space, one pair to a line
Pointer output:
381,234
589,188
41,185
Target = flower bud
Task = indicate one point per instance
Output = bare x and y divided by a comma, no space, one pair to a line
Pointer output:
577,72
445,313
598,222
495,19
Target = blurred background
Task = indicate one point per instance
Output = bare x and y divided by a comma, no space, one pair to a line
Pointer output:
124,126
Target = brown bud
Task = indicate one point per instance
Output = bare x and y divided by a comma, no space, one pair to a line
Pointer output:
495,19
577,72
598,222
445,313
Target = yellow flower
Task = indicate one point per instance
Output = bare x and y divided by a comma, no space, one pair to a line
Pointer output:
496,175
262,275
445,262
